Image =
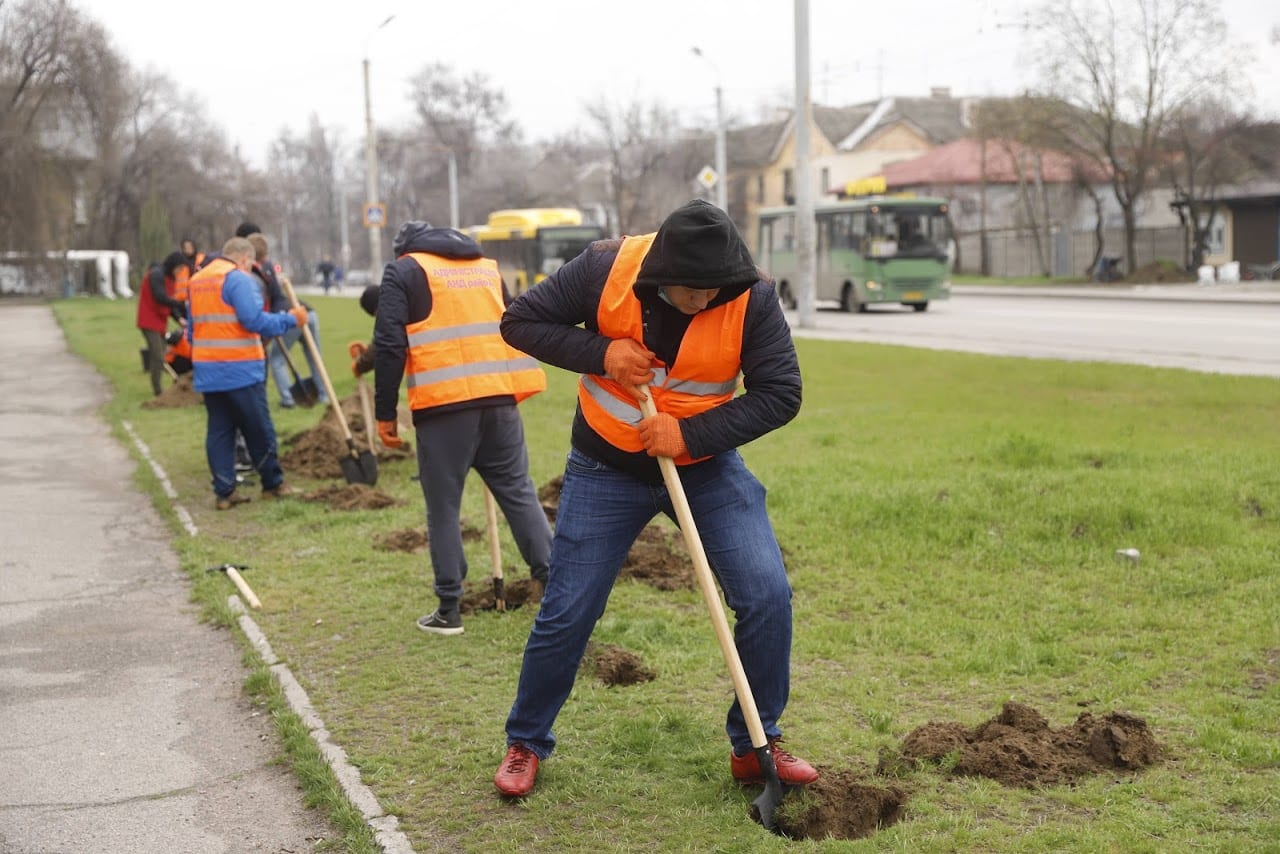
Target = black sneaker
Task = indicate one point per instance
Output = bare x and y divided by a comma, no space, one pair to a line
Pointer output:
441,624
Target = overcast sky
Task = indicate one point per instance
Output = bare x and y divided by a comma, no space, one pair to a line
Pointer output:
551,57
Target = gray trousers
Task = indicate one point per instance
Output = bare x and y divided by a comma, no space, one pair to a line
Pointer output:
491,441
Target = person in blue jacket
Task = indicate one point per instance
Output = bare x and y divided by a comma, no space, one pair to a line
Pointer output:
226,325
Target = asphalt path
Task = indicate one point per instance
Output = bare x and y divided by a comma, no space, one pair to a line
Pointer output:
124,726
1218,329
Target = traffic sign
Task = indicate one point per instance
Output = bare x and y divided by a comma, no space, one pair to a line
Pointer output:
708,177
375,214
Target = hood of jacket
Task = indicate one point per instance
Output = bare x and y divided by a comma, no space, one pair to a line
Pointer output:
421,236
698,246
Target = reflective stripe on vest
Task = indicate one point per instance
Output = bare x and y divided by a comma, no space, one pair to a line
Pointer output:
457,354
216,333
705,372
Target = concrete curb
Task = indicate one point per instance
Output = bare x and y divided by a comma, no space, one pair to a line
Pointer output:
385,827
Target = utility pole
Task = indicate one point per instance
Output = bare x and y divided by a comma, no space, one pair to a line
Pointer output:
722,166
371,166
804,186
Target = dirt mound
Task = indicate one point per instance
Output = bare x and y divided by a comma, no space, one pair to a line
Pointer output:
177,395
353,496
318,453
836,806
1019,748
1160,271
517,593
614,665
407,540
549,497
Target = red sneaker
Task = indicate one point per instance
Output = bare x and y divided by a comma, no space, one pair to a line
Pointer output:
517,772
792,770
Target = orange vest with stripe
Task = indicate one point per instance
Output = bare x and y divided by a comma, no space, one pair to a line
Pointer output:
216,334
705,372
182,278
456,354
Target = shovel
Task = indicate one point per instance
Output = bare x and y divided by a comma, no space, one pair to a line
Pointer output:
233,572
305,393
764,806
357,466
495,551
366,412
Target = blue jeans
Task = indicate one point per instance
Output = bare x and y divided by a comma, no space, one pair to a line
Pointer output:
601,512
245,410
279,367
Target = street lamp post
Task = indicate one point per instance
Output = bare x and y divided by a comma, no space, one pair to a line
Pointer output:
371,165
722,177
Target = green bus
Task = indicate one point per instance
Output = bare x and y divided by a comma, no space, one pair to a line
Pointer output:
880,249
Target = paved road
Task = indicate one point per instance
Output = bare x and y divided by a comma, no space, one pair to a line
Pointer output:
123,723
1232,330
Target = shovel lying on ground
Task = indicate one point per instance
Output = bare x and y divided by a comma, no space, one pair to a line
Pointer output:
305,393
768,801
357,466
495,551
233,572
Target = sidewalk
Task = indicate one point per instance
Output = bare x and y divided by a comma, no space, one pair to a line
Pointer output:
1249,292
123,721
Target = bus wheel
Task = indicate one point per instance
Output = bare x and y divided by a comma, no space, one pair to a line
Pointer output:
919,306
784,294
849,301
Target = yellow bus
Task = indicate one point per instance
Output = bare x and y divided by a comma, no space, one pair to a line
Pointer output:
530,244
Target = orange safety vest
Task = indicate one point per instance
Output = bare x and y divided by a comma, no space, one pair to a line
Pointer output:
216,334
456,354
182,278
704,374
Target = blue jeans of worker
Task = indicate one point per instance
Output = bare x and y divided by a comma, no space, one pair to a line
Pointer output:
279,368
601,512
245,410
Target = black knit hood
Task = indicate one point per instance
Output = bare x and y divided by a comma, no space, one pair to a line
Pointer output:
698,246
422,236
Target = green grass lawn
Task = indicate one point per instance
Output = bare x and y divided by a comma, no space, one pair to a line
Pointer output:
950,523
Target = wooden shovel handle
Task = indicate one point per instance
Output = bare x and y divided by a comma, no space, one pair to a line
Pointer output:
324,374
706,581
243,586
495,545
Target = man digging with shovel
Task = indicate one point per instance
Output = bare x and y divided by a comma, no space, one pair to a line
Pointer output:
437,327
679,316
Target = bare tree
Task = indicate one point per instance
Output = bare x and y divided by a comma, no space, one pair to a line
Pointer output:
462,114
638,142
1202,138
1128,67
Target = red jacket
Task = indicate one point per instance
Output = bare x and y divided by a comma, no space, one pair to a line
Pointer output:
154,309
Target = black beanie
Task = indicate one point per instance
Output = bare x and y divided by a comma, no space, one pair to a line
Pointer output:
369,300
246,228
698,246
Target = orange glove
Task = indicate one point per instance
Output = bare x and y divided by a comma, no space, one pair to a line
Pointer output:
356,349
629,362
387,433
300,315
662,437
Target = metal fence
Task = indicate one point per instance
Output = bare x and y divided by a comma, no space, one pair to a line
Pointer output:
1012,252
65,274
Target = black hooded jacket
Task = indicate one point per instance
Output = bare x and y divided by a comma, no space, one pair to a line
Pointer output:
404,298
556,322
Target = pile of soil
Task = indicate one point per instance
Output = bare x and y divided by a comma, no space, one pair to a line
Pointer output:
318,453
1160,271
406,540
614,665
516,592
657,557
352,496
177,395
1019,748
836,806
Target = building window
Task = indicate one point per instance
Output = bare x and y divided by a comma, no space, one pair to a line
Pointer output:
826,180
788,187
760,189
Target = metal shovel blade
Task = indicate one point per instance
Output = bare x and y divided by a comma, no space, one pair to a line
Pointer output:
305,392
359,466
764,806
